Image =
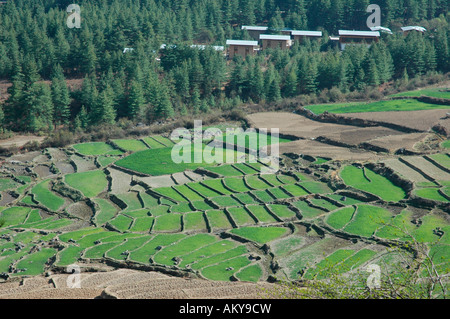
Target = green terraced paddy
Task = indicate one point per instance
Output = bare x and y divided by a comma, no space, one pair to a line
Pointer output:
96,148
260,235
441,93
367,220
194,221
240,216
7,183
130,145
89,183
378,185
43,195
261,213
236,184
218,219
430,193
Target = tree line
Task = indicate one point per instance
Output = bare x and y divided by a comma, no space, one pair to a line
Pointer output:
38,53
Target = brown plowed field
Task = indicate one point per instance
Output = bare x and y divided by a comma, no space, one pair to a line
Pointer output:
419,120
125,283
361,135
395,142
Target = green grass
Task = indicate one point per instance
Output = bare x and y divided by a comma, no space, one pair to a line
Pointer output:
430,193
35,263
142,224
260,235
96,148
425,232
7,183
69,255
201,205
170,193
218,220
149,200
248,170
99,251
256,183
46,197
219,272
121,222
397,227
245,198
251,273
106,160
272,179
194,221
203,190
380,106
131,145
131,200
225,170
282,211
165,256
14,215
153,143
251,140
158,162
89,183
295,190
356,260
217,185
188,193
263,195
143,253
445,144
345,201
168,222
130,245
215,248
236,184
367,220
322,267
225,201
107,211
441,93
377,185
323,203
219,257
307,211
261,213
442,159
240,216
181,208
164,140
279,193
316,187
340,218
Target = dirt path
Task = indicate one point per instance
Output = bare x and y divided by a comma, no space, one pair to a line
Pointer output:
20,140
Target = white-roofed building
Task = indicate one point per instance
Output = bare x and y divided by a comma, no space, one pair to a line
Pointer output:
301,35
408,29
275,41
351,37
255,31
241,47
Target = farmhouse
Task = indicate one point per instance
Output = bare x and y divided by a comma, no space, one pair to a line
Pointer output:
408,29
275,41
255,31
242,47
300,35
347,37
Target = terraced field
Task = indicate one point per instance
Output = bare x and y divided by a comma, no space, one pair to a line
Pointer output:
127,204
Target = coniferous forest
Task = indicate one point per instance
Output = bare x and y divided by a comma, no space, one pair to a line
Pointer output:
39,54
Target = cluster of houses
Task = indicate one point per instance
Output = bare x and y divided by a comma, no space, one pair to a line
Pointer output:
262,40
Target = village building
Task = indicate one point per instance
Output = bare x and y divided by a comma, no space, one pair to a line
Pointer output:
408,29
242,47
347,37
255,31
300,35
271,41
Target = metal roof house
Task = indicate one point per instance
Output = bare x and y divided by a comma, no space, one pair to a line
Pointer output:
255,31
408,29
301,35
241,47
347,37
275,41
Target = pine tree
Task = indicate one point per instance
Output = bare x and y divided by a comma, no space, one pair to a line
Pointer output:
135,100
290,86
38,108
60,97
